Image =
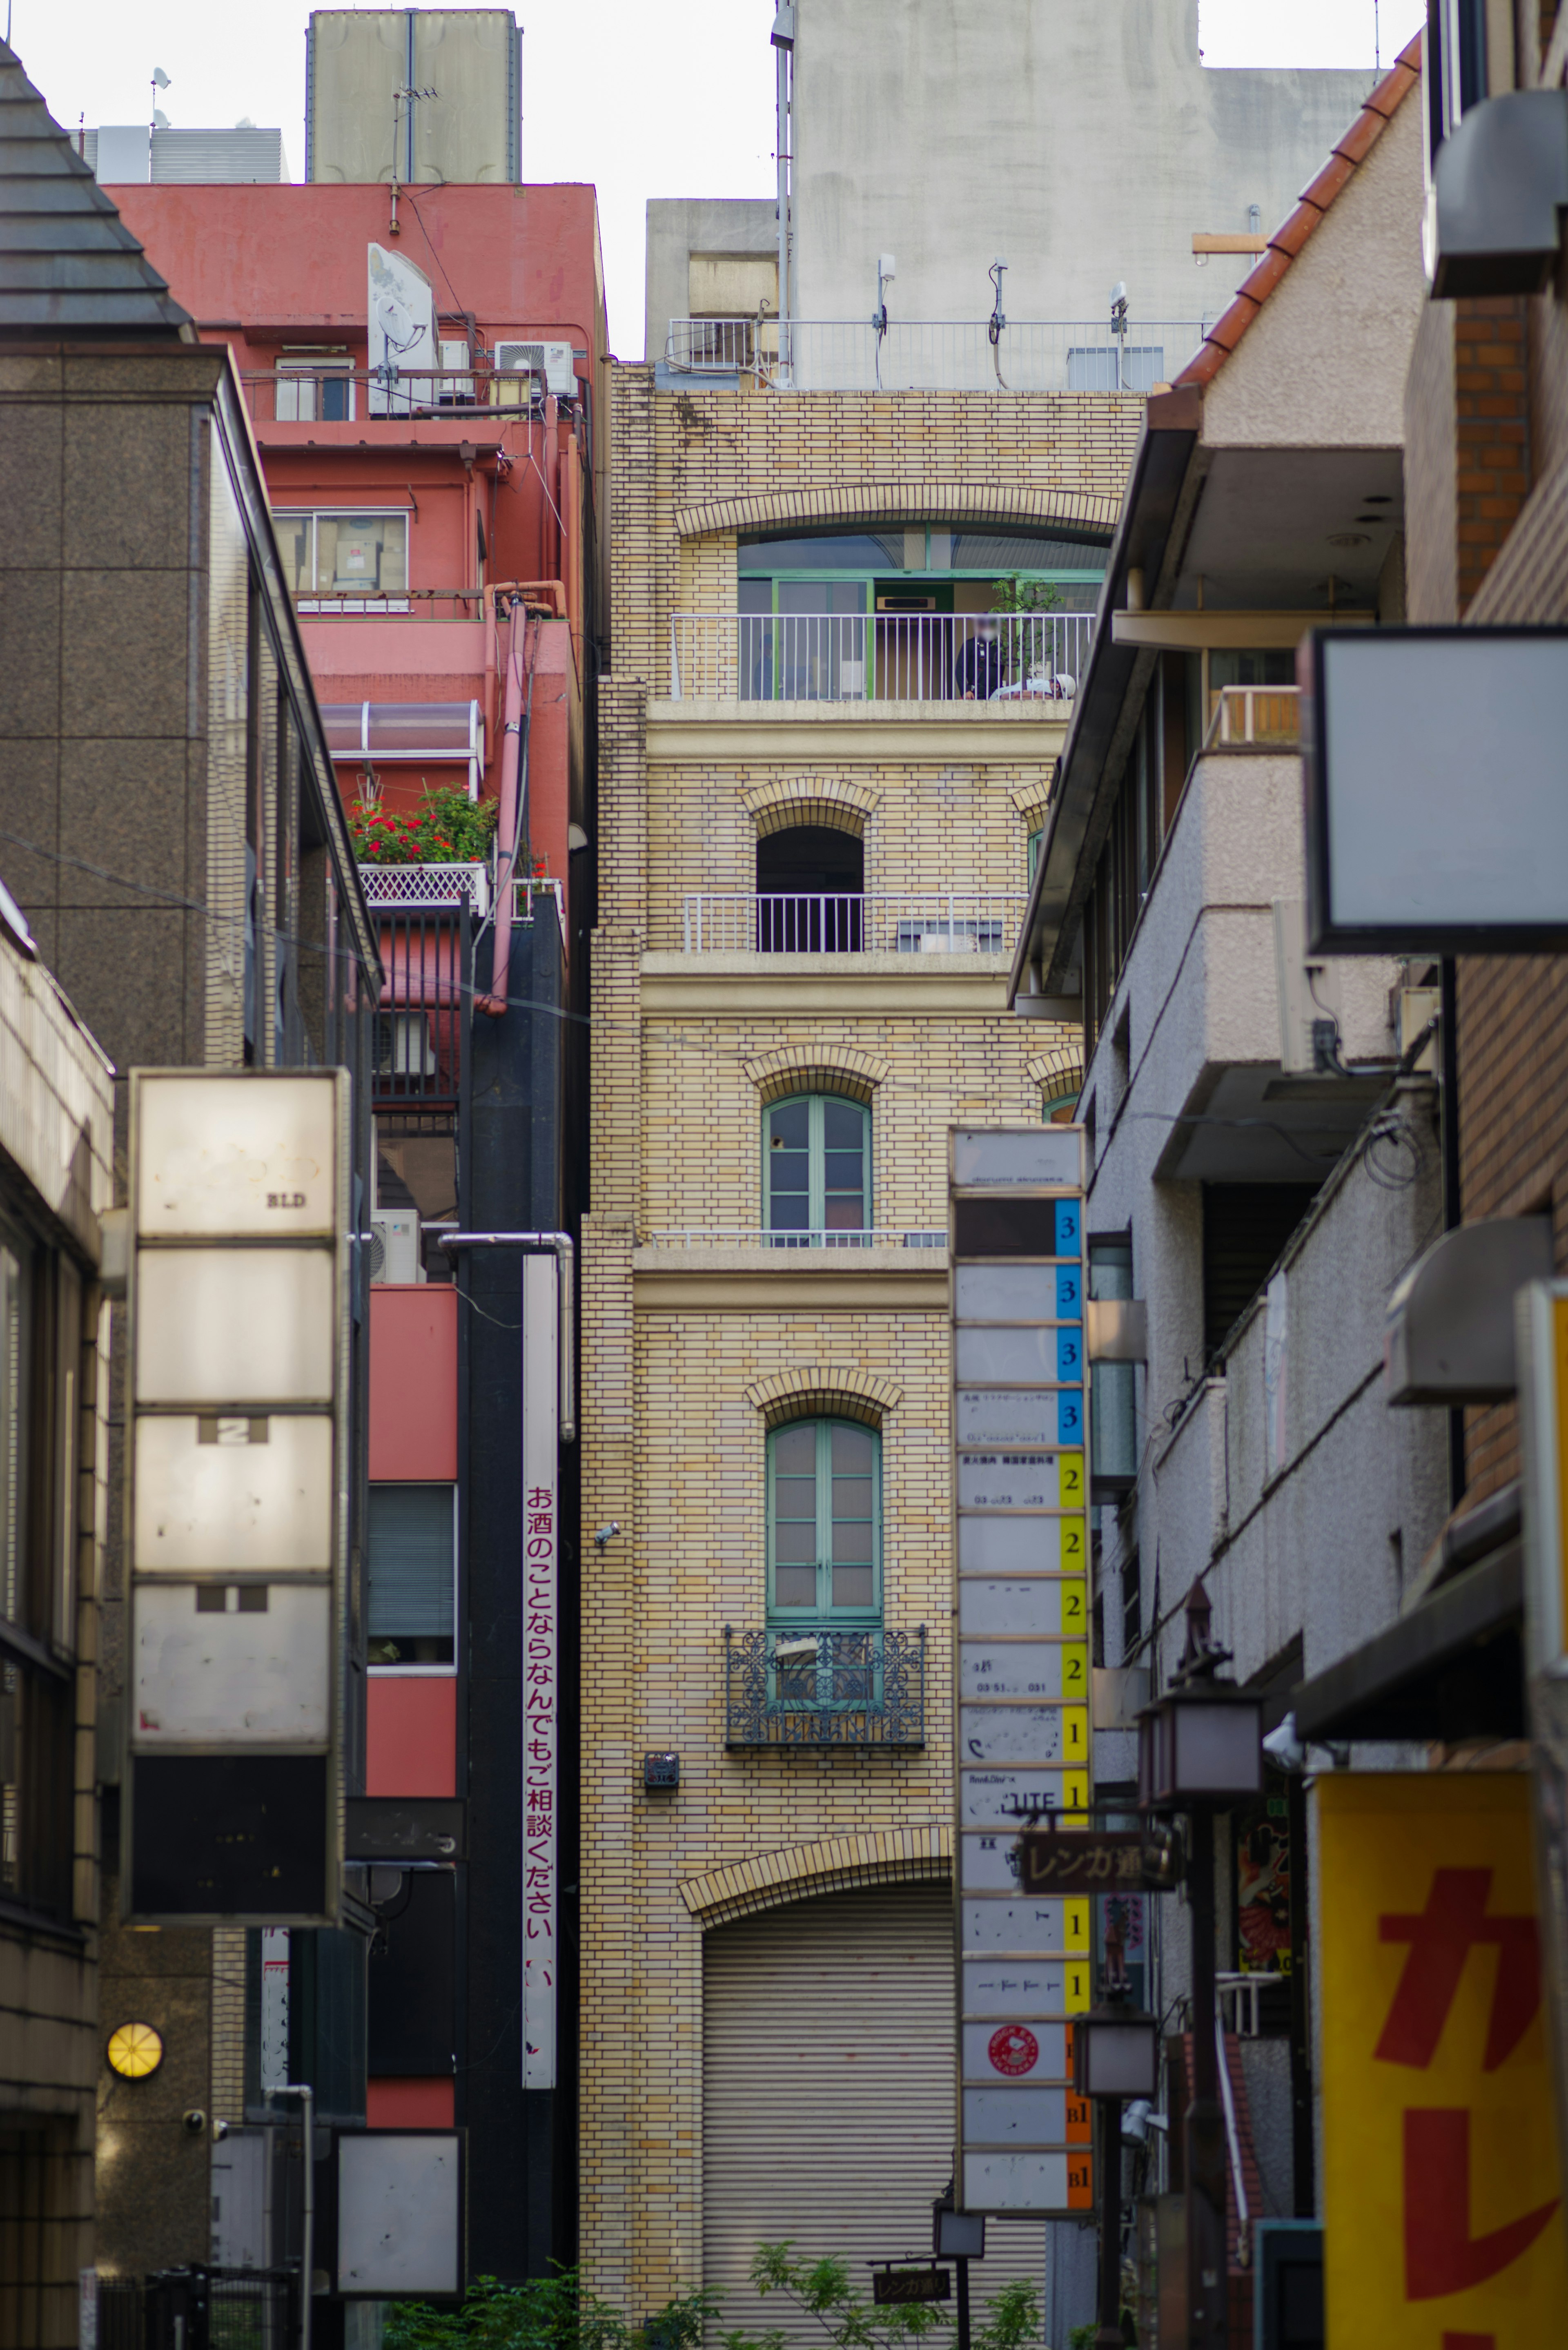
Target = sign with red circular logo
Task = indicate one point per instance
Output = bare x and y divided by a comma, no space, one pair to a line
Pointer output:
1013,2049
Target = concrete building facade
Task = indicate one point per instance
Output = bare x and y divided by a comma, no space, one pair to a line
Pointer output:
1264,1206
1085,145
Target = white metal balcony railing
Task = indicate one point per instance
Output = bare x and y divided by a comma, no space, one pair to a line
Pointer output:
854,1237
940,354
878,657
747,921
433,886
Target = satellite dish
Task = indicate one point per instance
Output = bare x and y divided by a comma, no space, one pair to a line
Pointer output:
402,338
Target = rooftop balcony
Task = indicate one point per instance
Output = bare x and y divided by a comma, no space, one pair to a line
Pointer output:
820,1685
932,355
858,657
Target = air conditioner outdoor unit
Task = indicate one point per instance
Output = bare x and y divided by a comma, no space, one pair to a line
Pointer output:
395,1245
548,366
455,390
404,1045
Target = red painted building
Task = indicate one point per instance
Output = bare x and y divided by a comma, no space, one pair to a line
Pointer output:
440,530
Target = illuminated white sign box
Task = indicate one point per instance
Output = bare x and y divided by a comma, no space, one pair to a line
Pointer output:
1437,790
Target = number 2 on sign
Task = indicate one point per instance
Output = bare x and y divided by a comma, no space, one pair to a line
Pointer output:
1071,1488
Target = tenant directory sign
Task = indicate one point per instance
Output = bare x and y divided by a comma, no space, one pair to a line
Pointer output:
1021,1485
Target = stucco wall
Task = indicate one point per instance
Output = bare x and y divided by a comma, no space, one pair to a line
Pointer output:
1324,365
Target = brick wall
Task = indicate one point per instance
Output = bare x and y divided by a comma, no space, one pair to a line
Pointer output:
1487,494
678,1382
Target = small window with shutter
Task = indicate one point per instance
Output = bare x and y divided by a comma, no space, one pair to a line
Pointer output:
412,1577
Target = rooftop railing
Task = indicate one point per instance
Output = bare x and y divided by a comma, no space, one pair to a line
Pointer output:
934,355
1036,657
748,921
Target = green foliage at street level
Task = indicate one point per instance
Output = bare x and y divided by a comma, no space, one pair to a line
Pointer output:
555,2313
550,2313
821,2290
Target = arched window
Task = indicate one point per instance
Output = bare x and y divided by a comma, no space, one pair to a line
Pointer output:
825,1523
810,883
816,1171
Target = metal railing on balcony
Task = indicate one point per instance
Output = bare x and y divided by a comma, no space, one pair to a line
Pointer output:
427,885
1035,657
756,1237
935,355
747,921
421,1022
350,395
817,1685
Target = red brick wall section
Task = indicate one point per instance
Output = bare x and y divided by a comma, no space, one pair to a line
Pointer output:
1492,431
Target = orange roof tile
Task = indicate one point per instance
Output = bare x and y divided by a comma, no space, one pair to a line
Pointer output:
1286,243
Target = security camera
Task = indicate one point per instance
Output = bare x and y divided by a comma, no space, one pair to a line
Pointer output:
219,2129
195,2120
1138,2119
607,1534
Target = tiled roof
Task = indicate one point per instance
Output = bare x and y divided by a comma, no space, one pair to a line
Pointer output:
1285,245
69,266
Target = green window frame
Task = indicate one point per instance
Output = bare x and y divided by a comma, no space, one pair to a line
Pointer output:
1034,840
825,1523
816,1168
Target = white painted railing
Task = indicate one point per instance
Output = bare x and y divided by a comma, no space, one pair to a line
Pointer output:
935,355
878,657
427,885
704,1237
746,921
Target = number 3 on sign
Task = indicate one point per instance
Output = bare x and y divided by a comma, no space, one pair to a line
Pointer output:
1071,1488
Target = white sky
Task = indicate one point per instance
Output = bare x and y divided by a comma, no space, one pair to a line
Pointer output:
645,98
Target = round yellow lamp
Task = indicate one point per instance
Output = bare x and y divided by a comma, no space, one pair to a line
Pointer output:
135,2051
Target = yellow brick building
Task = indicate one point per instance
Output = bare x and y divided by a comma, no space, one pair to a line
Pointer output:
813,856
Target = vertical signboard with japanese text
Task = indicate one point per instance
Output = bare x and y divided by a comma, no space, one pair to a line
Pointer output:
541,1693
1442,2208
238,1483
1021,1486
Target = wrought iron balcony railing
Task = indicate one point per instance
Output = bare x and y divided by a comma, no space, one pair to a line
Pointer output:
999,657
818,1684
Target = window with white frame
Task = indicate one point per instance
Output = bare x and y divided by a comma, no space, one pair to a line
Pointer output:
312,385
412,1575
825,1522
343,554
816,1170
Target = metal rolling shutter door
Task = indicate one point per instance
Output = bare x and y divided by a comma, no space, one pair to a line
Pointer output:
828,2095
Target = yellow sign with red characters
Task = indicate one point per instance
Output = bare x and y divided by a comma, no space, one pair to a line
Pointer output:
1443,2221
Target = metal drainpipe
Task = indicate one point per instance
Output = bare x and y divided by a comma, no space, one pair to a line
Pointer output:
510,824
307,2096
783,57
565,1258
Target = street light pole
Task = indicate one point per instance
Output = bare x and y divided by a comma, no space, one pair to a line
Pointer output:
1203,2135
1109,2334
1199,1753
